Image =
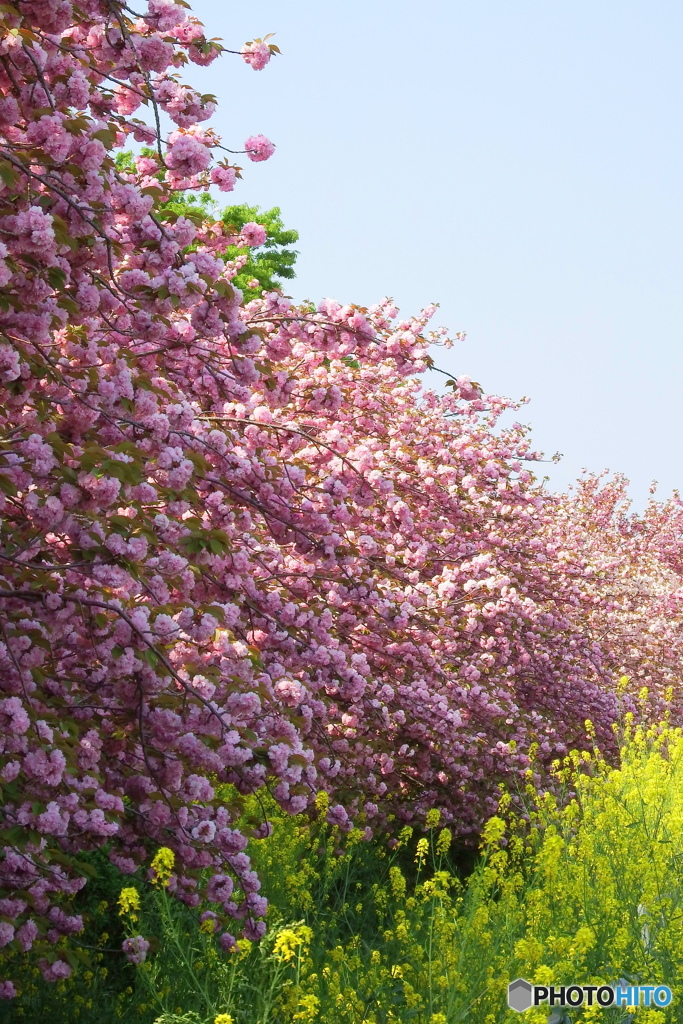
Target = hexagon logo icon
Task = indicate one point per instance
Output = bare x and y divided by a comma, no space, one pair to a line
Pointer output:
519,995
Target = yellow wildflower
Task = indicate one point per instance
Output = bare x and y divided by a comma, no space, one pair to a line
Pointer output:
443,842
398,882
493,831
421,851
433,817
129,903
404,836
242,948
289,941
162,866
308,1007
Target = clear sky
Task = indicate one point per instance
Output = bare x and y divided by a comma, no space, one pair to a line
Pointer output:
517,161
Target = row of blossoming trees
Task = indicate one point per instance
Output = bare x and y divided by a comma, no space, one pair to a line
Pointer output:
240,543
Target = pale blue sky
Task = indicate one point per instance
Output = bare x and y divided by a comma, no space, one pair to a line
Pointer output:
519,162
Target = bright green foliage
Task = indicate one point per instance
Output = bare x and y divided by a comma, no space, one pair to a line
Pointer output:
271,263
197,208
361,934
267,266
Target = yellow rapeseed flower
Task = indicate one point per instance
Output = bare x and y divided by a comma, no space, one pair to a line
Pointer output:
433,817
290,941
322,803
443,842
493,831
398,882
129,903
404,836
421,851
242,948
308,1007
162,866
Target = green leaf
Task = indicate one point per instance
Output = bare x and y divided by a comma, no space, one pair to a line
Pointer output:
14,836
63,236
57,277
151,657
8,174
218,613
105,136
7,486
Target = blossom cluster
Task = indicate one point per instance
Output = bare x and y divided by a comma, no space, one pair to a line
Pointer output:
241,544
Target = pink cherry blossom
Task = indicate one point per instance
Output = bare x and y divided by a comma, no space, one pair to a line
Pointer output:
135,949
187,155
164,15
224,177
54,971
257,54
258,148
254,234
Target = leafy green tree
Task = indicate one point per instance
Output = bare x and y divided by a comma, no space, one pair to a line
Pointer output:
270,264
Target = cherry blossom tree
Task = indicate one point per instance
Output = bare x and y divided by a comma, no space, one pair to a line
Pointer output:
96,290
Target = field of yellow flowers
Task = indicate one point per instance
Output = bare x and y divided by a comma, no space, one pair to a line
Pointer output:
583,886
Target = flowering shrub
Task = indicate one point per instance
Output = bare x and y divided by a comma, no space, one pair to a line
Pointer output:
240,543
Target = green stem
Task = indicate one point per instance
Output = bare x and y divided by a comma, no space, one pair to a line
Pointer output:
176,941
